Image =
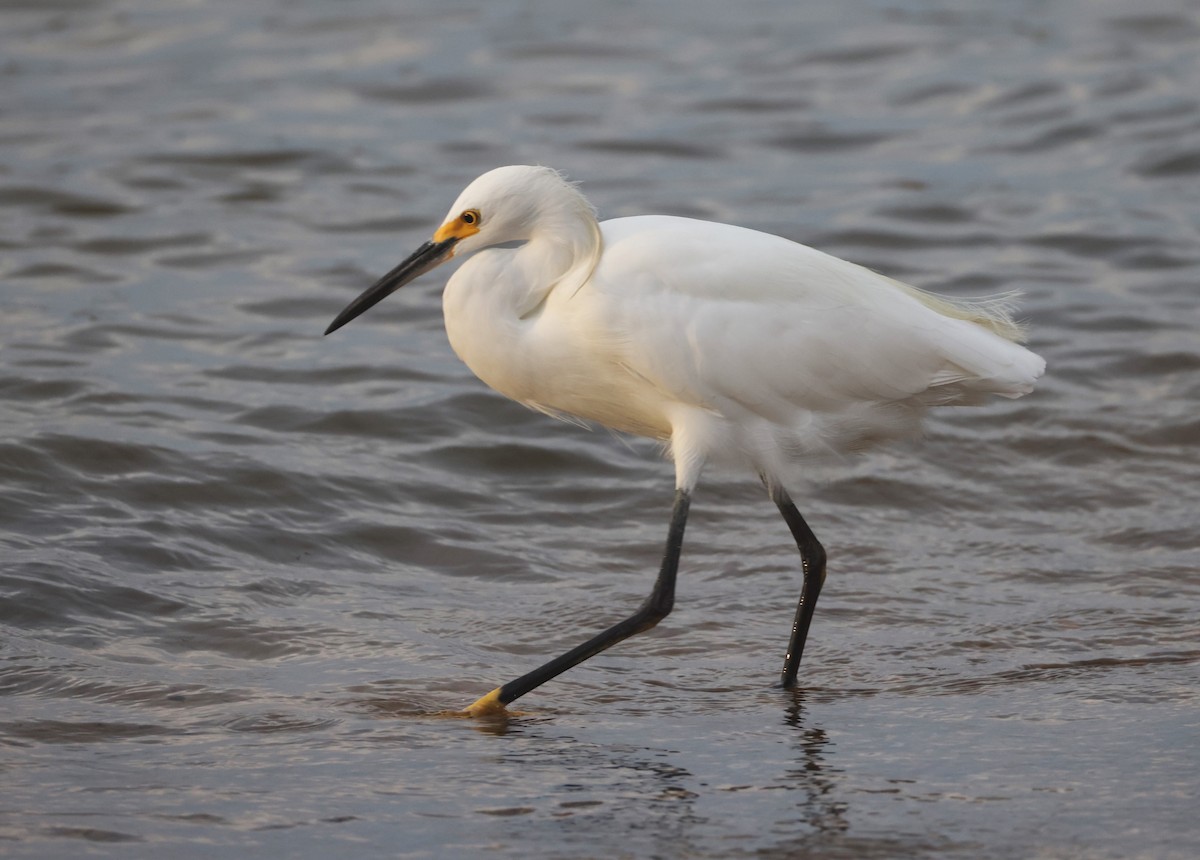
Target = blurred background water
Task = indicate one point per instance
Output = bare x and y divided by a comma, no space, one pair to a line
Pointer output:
243,567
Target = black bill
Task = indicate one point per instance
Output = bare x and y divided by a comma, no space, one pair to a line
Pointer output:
423,259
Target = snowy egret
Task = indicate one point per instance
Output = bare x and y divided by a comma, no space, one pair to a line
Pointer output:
722,342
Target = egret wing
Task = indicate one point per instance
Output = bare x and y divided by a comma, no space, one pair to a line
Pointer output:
712,313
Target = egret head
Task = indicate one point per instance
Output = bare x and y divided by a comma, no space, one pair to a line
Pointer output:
508,204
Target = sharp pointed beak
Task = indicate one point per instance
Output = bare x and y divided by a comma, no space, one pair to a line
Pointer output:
428,256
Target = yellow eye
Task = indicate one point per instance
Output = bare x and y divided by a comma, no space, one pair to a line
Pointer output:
466,224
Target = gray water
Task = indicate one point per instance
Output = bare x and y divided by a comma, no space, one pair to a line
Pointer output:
244,568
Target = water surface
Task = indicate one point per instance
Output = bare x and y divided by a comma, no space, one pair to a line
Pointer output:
243,567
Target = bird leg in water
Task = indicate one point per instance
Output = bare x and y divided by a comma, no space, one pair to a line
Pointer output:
653,610
812,559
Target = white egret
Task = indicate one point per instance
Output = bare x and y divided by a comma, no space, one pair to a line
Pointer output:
722,342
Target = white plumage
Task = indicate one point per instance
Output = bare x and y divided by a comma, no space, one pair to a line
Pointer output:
726,343
738,342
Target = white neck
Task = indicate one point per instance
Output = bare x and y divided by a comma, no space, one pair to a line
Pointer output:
492,303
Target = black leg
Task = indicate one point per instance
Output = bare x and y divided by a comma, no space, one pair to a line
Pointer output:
653,610
812,559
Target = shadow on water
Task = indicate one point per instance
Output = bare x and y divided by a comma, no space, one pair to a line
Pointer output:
785,794
673,793
813,776
822,801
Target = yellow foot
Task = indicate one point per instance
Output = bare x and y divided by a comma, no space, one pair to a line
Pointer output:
487,706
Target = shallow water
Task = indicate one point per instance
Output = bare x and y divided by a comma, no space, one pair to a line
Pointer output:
245,567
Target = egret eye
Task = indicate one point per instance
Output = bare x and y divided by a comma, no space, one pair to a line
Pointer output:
470,217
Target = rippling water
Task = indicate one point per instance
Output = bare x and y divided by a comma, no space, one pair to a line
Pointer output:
243,567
